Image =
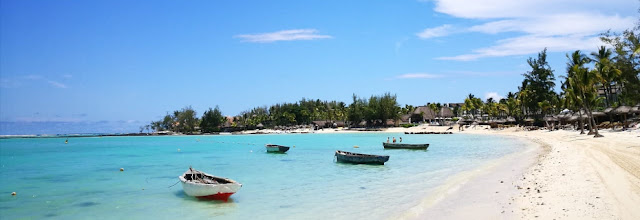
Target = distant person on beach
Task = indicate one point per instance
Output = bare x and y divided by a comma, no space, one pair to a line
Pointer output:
394,139
400,139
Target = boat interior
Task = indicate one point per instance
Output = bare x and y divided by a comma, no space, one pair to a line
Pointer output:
200,178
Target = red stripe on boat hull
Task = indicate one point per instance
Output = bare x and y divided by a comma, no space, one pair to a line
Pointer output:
219,196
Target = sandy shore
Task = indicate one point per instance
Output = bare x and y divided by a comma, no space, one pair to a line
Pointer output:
565,176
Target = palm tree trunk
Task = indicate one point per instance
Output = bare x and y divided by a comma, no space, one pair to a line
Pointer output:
595,126
580,123
606,95
588,121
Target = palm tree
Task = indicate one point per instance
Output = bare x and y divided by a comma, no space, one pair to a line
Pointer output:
583,82
434,108
606,70
574,101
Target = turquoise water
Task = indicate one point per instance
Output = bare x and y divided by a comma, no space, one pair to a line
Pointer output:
81,179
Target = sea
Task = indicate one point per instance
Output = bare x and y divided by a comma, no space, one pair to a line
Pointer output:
81,179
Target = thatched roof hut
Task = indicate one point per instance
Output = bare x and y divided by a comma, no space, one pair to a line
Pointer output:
598,114
405,118
573,118
623,109
427,113
608,110
635,109
565,115
446,112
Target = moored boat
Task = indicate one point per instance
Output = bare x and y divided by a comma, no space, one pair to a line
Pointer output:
349,157
405,146
206,186
274,148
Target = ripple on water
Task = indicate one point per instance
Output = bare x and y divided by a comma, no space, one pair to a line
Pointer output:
86,204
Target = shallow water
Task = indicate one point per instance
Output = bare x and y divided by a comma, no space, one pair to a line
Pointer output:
81,179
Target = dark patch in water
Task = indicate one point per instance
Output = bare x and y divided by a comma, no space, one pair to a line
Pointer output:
89,193
362,187
50,215
52,179
87,204
180,194
287,160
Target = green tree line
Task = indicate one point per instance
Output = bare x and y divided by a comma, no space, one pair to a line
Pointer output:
608,77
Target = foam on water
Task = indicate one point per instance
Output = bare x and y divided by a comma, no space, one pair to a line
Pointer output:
81,179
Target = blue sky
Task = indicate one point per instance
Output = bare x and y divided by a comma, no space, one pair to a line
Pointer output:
130,62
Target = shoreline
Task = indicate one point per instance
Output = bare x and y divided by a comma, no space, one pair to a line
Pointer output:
464,195
568,176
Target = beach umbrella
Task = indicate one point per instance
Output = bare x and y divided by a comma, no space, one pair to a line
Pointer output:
635,109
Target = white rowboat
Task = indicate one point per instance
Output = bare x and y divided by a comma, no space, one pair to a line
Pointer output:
206,186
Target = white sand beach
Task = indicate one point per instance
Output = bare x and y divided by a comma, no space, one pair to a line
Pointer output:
565,176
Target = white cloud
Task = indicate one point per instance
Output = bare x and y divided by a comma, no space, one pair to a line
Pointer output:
560,25
285,35
530,44
493,95
439,31
488,9
33,77
57,84
418,76
9,83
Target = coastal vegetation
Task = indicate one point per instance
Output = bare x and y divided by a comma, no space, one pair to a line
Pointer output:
608,78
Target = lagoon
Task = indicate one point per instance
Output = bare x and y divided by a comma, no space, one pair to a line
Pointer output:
82,180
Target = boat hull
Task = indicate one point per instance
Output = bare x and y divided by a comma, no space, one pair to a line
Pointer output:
271,148
347,157
405,146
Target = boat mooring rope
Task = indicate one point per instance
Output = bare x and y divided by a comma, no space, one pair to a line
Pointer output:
174,184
